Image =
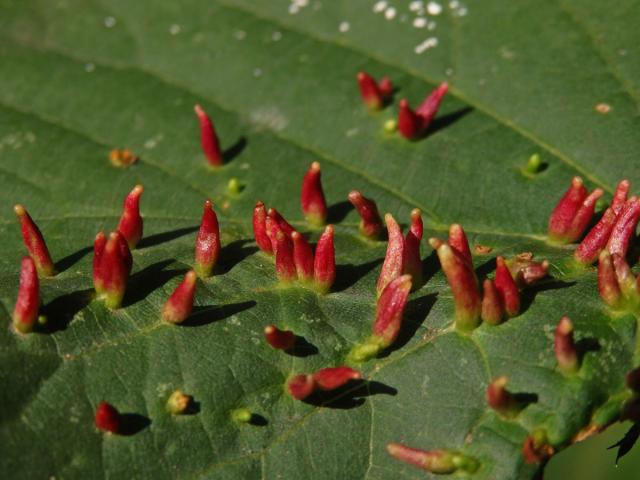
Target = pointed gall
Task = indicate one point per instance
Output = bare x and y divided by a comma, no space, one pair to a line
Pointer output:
608,281
331,378
130,225
433,461
572,214
34,241
413,124
111,269
107,418
370,221
179,403
260,228
626,280
492,309
625,227
536,449
285,265
507,288
324,265
279,339
464,287
25,313
596,240
620,196
209,138
394,258
525,271
314,205
409,124
301,386
565,347
274,223
207,242
374,95
241,415
179,305
430,106
390,309
412,264
500,399
458,241
302,257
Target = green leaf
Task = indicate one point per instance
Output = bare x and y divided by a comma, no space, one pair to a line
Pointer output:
80,77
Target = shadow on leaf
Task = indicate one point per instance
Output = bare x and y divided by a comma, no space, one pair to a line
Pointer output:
443,121
347,275
163,237
232,254
132,423
349,396
302,348
206,315
338,211
234,150
60,311
147,280
528,295
68,261
258,420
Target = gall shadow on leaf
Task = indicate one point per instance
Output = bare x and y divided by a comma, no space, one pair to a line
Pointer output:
205,315
486,268
132,423
443,121
68,261
61,310
302,348
338,211
258,420
627,442
348,275
193,407
430,265
167,236
142,283
524,398
528,295
232,254
586,345
234,150
351,395
415,314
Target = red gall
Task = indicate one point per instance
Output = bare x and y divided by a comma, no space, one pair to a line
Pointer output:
414,124
492,311
572,214
285,265
208,138
393,265
437,461
302,257
279,339
260,228
625,227
314,205
565,347
324,264
208,247
112,264
374,94
370,221
34,242
25,313
179,305
107,418
326,379
130,225
507,288
412,264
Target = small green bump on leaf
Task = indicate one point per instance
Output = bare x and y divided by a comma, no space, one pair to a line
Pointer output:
365,351
178,403
235,186
42,320
610,411
241,415
534,166
390,126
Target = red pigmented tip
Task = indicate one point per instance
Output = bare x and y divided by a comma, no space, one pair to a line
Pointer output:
260,228
209,138
433,461
458,241
525,271
285,265
564,347
393,265
374,95
608,281
414,124
464,286
390,309
572,214
331,378
596,240
179,305
130,225
324,265
507,288
276,222
625,227
492,310
302,257
412,264
34,241
279,339
314,205
370,221
620,195
25,313
207,242
107,418
408,121
535,448
112,265
301,386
